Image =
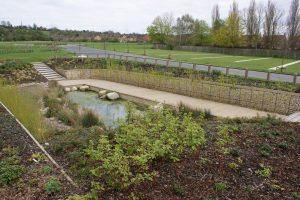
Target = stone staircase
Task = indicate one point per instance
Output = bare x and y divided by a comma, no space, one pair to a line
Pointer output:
293,118
47,72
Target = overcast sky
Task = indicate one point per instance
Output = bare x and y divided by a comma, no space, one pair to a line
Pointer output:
124,16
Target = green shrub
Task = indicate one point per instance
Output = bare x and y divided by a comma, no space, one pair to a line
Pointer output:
10,166
283,145
14,65
220,187
179,189
235,152
89,119
47,169
265,150
264,171
53,186
233,166
124,160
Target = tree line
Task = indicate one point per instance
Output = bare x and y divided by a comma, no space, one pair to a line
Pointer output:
257,26
8,32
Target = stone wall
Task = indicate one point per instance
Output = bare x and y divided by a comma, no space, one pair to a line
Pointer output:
257,98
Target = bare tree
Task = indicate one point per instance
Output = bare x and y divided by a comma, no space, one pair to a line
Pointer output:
215,17
293,23
252,22
273,16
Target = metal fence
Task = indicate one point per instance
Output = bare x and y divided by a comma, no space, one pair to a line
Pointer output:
246,73
261,99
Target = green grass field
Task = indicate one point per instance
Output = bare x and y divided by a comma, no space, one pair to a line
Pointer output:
252,63
20,51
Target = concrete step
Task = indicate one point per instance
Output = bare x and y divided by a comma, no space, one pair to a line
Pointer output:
47,72
293,117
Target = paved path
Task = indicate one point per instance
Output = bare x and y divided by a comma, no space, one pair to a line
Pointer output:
92,52
47,72
217,109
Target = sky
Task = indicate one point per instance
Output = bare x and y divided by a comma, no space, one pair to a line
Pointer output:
125,16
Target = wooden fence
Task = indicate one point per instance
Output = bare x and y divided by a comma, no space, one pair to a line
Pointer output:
261,99
291,54
246,73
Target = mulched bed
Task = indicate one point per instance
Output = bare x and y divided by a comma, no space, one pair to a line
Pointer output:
195,176
31,184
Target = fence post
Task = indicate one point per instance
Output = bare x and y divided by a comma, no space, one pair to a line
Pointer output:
145,60
227,71
180,64
168,63
209,69
295,78
194,66
268,76
97,55
126,58
246,72
156,62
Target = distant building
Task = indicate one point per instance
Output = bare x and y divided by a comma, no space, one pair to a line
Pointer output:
98,38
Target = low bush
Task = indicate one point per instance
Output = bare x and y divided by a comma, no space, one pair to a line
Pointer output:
10,166
264,171
265,150
53,186
124,159
10,66
220,187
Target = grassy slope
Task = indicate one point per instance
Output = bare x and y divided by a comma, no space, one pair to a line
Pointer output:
202,57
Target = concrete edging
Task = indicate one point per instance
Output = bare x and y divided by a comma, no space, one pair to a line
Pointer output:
41,147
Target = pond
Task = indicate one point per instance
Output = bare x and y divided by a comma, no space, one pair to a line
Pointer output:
110,112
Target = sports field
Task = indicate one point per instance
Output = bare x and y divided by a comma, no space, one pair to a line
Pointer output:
28,52
223,60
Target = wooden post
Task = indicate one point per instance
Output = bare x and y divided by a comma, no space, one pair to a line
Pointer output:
168,61
145,60
126,58
194,66
97,55
246,73
295,78
268,76
156,62
227,71
180,64
209,69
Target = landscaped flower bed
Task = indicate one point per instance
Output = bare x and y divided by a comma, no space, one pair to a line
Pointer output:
19,72
148,157
162,154
25,172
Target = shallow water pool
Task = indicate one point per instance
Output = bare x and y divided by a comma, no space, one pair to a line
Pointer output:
110,112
